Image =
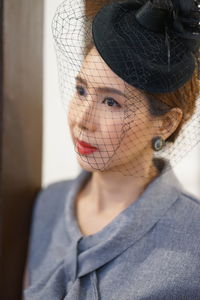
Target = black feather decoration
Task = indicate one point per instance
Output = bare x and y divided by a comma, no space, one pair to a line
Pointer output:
184,20
186,15
185,23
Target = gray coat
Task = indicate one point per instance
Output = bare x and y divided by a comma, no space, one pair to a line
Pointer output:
150,251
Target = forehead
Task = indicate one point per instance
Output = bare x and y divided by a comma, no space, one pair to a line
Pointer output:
98,73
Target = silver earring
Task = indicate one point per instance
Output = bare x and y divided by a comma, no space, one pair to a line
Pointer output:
158,143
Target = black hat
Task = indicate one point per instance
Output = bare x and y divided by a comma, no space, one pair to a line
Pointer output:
152,45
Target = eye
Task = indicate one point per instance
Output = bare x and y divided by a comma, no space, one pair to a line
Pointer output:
80,90
111,102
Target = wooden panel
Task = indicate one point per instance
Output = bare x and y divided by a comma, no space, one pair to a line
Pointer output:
1,90
1,126
21,134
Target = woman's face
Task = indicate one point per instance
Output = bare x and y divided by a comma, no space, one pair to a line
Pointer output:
110,123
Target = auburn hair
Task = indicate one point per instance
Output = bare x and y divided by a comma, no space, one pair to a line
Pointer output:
184,98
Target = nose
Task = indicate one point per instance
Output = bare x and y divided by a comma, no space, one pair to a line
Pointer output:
86,114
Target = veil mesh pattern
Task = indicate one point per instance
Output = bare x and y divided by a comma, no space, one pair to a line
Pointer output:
109,118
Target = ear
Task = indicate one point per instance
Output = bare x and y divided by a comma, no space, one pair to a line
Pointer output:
170,121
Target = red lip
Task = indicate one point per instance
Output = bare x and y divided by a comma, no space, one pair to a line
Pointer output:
85,148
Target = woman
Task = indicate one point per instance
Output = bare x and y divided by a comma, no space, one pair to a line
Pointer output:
124,229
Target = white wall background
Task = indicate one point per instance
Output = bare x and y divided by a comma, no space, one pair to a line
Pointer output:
59,161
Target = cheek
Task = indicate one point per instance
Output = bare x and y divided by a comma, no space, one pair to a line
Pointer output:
140,131
71,116
112,127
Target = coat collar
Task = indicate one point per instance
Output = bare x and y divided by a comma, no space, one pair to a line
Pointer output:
126,229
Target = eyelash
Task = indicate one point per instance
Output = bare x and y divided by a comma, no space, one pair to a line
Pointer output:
78,89
115,102
81,92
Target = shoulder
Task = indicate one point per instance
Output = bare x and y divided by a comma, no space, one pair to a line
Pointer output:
48,208
183,217
51,197
48,211
176,237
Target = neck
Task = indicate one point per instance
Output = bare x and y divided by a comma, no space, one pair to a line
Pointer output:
113,191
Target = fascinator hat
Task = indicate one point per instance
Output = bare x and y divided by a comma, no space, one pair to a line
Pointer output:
158,47
152,46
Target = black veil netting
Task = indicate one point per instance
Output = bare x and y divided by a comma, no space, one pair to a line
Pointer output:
116,70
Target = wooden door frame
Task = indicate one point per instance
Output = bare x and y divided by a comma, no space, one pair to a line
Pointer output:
21,57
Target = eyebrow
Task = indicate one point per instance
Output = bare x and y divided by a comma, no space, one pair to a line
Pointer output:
104,89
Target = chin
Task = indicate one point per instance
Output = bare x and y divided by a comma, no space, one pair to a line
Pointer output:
90,164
